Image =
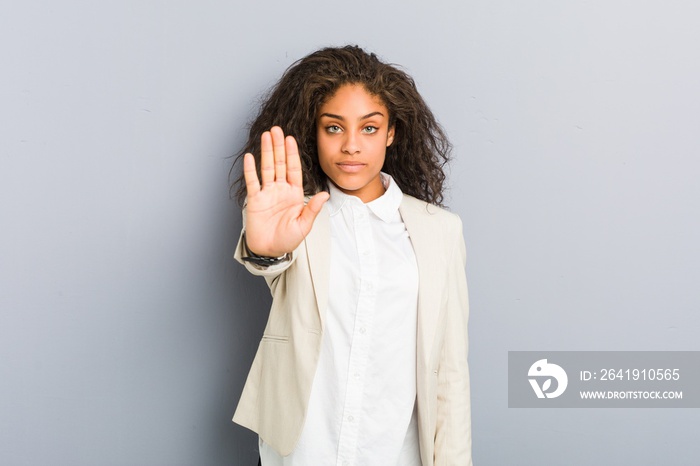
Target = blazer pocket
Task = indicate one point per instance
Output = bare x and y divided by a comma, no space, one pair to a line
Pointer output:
275,339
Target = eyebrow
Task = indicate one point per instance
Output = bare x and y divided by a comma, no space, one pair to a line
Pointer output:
338,117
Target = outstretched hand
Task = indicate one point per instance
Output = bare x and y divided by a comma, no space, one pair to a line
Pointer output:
277,220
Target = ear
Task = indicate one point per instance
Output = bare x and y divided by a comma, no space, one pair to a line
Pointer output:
390,136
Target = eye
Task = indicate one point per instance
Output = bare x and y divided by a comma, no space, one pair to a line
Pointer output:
333,129
370,129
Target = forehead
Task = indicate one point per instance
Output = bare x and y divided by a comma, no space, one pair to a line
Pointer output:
352,99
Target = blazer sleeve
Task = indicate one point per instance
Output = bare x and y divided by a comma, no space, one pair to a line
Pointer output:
453,432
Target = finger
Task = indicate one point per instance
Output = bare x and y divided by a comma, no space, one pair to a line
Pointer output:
294,175
311,210
267,161
252,184
280,156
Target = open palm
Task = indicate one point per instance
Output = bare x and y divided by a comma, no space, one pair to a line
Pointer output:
277,220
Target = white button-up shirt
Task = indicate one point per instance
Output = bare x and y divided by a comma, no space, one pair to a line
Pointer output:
362,404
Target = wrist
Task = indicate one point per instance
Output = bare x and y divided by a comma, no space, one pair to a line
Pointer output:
262,259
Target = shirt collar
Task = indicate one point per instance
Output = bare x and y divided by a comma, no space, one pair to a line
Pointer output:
385,206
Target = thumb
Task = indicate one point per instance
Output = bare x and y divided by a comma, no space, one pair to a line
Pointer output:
311,210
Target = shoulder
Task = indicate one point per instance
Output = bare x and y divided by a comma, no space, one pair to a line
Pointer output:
429,224
437,216
434,230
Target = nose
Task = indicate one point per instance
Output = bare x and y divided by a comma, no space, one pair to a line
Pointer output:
351,145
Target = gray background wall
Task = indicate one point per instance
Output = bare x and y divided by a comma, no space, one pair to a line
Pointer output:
126,329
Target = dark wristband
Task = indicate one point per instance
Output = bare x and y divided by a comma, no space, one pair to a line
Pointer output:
263,261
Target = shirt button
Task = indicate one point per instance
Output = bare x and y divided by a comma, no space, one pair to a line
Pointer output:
350,418
363,330
345,463
357,375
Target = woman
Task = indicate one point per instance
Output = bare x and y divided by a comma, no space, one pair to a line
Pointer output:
364,357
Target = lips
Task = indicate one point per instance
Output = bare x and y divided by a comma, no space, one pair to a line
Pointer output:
350,167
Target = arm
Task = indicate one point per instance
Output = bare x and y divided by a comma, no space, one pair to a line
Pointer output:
269,272
275,219
453,434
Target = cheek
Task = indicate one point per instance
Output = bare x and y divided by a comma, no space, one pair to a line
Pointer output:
323,143
380,152
322,160
323,153
321,147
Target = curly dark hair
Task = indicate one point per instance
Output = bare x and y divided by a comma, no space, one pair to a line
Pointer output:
420,149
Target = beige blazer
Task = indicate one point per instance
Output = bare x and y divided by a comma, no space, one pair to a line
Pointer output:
276,394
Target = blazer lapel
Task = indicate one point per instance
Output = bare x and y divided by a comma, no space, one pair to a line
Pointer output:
413,214
318,251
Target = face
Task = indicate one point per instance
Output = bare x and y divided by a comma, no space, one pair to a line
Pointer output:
353,133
